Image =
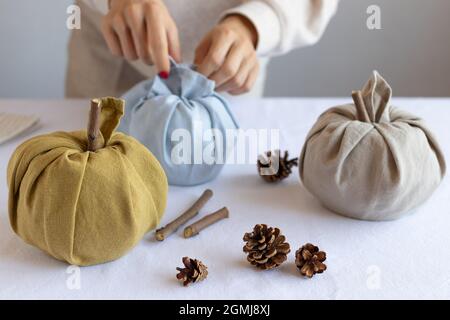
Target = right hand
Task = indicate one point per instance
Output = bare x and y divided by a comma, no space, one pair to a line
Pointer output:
142,29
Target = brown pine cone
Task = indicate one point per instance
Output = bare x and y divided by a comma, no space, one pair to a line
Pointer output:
266,247
194,271
270,174
310,260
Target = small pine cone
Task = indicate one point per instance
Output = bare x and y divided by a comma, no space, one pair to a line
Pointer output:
194,271
266,166
266,247
310,260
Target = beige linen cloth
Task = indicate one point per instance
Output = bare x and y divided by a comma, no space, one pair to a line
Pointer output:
371,161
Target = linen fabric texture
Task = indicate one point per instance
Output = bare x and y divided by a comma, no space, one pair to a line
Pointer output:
371,162
84,207
184,122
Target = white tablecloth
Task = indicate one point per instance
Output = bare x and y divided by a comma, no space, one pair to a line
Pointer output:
408,258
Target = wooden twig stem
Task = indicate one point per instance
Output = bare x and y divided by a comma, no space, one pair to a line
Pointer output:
360,106
170,228
205,222
94,126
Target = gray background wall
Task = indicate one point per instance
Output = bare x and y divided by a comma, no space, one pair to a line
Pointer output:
412,51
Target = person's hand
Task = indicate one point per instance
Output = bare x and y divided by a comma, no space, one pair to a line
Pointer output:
227,55
142,29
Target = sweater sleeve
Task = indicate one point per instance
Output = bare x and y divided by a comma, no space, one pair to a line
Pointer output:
98,5
283,25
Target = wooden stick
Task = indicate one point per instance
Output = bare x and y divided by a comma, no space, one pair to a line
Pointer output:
360,106
205,222
94,126
170,228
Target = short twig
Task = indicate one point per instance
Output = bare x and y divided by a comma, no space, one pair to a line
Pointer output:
170,228
94,126
205,222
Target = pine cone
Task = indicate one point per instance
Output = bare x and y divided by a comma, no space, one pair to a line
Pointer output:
270,174
310,260
194,271
266,247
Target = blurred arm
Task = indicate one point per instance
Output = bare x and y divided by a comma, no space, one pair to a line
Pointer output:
284,25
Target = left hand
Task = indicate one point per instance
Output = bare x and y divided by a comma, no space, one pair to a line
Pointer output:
227,55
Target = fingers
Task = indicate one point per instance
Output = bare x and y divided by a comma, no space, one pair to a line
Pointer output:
249,83
230,67
239,80
112,40
126,41
157,39
227,56
202,50
174,43
142,30
221,43
134,18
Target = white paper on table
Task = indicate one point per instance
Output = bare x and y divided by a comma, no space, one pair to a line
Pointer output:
12,125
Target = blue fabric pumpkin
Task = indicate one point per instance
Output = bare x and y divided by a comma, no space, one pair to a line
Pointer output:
183,121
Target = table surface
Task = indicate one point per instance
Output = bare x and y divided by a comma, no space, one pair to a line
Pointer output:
407,258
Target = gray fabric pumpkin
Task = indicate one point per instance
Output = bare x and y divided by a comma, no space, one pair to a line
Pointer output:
369,160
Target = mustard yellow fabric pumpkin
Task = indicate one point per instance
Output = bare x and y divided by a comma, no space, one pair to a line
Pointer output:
86,207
